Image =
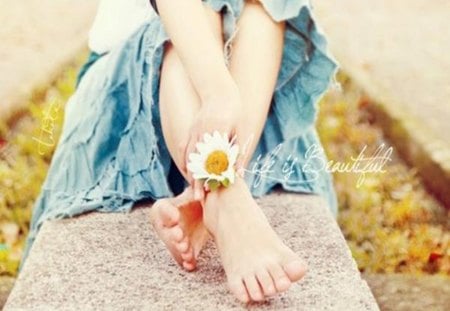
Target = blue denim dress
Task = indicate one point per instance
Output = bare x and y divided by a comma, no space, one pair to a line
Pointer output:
112,153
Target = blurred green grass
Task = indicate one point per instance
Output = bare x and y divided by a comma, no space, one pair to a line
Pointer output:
24,165
391,224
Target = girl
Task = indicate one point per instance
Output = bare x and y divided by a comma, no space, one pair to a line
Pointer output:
159,90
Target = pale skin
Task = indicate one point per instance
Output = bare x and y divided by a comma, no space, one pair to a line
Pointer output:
202,94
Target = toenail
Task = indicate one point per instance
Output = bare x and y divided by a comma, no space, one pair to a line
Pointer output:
244,298
257,296
188,266
182,246
186,256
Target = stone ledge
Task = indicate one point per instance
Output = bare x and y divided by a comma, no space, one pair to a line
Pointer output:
115,262
39,39
410,292
407,87
419,147
416,143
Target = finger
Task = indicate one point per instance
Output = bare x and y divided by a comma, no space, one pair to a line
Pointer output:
218,126
245,142
190,148
182,147
233,136
199,191
240,165
229,132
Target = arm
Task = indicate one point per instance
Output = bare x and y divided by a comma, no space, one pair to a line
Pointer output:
202,58
188,28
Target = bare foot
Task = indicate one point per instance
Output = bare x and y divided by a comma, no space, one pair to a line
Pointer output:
179,224
257,263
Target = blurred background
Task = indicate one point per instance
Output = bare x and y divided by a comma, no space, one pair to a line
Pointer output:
394,89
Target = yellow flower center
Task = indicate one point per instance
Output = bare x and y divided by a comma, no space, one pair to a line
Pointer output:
217,162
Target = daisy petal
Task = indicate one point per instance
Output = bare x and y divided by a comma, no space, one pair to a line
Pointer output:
217,136
230,175
196,168
195,157
207,138
202,148
200,175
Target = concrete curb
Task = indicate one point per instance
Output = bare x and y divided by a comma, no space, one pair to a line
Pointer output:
409,292
6,284
39,38
114,261
417,145
16,102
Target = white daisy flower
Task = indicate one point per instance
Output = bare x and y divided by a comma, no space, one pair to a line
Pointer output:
214,161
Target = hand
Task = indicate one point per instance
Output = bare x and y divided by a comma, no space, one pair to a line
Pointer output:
217,114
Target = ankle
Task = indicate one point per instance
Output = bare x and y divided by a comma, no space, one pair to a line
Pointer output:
215,205
210,212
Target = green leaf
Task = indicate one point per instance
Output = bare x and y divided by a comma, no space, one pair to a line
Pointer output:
213,184
226,182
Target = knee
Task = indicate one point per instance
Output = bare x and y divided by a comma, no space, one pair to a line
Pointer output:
253,5
255,11
215,22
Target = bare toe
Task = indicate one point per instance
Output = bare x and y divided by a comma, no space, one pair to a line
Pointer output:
188,255
183,246
238,289
248,245
295,270
189,266
169,214
253,288
185,197
178,223
175,234
266,282
282,282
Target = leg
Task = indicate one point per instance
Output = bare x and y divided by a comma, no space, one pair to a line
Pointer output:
179,108
255,63
256,261
178,221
